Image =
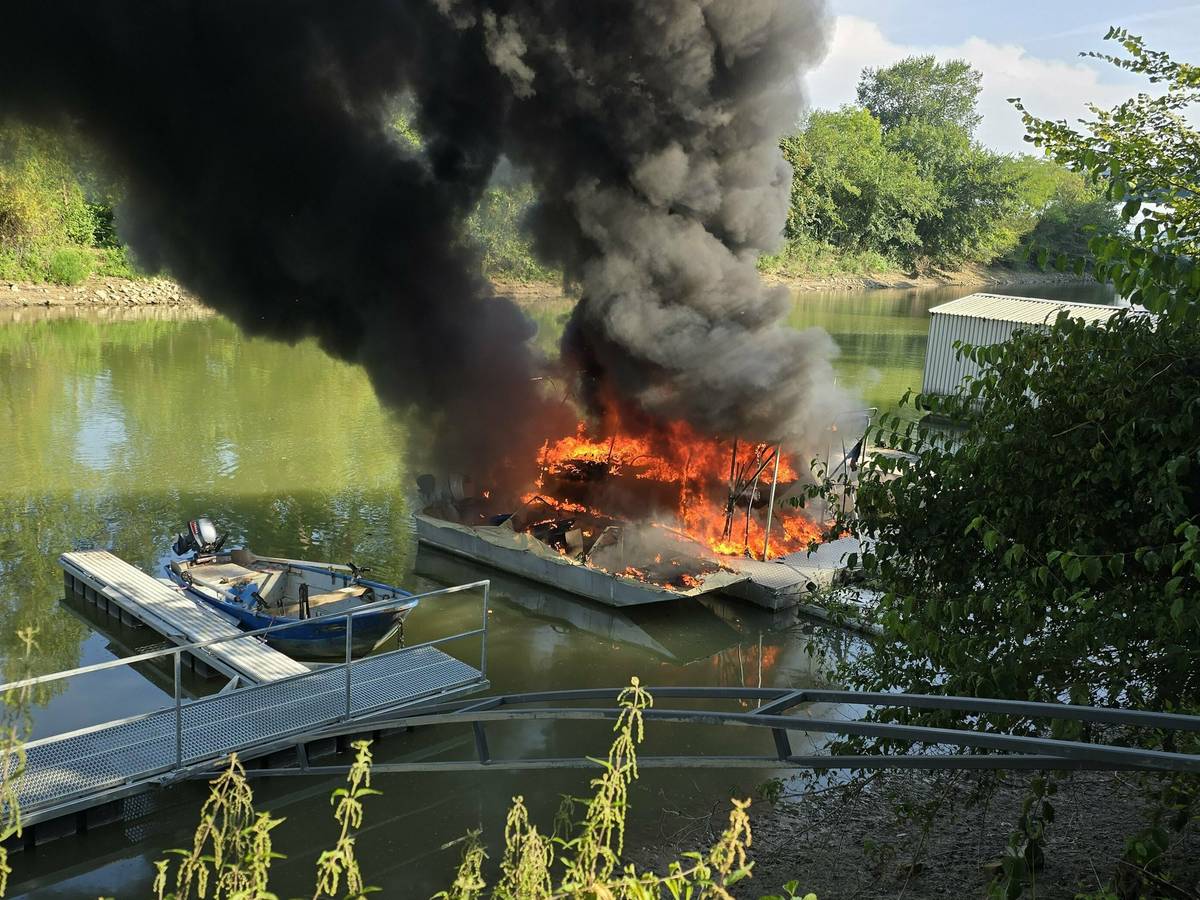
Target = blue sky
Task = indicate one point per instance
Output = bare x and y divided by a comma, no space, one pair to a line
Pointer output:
1024,48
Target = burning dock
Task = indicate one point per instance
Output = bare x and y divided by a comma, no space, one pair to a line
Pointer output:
626,519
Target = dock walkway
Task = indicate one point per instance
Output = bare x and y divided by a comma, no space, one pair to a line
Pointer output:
176,616
82,765
282,704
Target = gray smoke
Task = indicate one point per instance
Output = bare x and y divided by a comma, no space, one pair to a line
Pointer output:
261,171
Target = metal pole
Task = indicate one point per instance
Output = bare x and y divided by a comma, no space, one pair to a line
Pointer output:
178,710
349,643
771,502
487,585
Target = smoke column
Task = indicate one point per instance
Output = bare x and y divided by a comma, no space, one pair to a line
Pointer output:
652,132
253,139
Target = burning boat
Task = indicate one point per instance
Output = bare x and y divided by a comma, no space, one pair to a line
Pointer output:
630,519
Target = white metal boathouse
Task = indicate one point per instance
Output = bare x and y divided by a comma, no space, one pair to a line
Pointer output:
986,319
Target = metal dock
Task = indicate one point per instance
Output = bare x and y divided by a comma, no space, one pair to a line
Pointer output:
291,704
102,577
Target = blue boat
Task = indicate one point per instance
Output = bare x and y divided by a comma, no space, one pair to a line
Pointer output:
261,591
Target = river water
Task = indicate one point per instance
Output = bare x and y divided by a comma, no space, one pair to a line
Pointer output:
117,427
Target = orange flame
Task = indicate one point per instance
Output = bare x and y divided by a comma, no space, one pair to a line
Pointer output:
700,466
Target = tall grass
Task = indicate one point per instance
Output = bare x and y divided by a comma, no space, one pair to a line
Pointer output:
15,726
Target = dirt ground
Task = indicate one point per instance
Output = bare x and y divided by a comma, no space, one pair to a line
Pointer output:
847,841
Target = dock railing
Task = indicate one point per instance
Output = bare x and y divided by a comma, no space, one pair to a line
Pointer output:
210,726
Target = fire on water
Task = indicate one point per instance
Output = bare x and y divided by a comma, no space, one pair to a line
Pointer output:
718,489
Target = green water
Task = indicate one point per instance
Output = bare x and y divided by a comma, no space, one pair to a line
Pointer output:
115,430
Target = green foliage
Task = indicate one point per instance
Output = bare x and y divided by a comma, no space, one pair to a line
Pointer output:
495,225
341,862
806,256
902,183
973,192
920,89
585,860
1025,855
231,851
44,213
1144,153
1063,585
790,892
1049,549
1055,208
408,135
68,265
851,191
15,727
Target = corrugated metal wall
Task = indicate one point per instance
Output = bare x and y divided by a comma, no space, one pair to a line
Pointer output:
944,370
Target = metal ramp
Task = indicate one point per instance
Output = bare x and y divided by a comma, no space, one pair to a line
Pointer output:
73,771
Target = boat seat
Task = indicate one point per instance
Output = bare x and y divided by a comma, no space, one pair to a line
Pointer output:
271,588
335,602
224,572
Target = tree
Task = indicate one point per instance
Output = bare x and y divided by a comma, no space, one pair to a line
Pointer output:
1055,208
851,191
1050,549
974,191
920,89
1145,153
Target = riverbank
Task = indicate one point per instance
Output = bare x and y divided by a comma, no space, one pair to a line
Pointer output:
106,292
96,293
846,840
970,276
967,276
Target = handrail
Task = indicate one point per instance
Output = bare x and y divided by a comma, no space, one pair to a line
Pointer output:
320,718
200,645
984,740
1017,750
796,696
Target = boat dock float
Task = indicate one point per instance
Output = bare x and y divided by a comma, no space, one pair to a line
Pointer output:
79,778
108,581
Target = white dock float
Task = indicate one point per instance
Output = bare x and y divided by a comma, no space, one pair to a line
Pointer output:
177,617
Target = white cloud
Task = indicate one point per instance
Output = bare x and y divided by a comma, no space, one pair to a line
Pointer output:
1049,88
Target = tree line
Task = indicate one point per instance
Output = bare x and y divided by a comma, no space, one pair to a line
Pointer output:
896,181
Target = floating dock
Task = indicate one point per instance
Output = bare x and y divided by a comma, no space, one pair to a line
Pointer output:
774,585
76,779
104,579
84,768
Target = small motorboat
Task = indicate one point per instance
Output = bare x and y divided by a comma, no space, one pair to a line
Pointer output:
261,591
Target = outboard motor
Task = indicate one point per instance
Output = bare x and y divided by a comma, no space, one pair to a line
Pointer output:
201,538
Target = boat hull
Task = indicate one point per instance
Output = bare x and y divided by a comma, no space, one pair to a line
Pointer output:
314,639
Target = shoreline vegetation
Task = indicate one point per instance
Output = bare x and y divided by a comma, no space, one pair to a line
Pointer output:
106,292
894,191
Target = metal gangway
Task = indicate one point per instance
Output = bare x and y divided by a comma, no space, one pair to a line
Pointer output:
73,771
783,712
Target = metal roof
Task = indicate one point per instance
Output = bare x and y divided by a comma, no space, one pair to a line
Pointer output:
1024,310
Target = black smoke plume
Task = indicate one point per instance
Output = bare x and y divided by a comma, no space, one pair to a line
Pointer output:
261,171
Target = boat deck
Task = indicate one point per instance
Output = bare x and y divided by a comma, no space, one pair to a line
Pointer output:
177,617
89,762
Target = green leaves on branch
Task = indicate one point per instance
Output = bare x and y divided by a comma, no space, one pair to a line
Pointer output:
1144,153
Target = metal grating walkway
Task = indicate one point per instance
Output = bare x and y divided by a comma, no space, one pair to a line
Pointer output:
69,766
178,617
